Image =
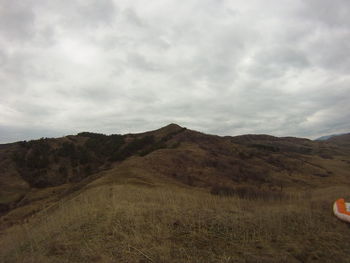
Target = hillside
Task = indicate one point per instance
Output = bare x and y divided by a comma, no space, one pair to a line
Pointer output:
341,140
326,137
173,195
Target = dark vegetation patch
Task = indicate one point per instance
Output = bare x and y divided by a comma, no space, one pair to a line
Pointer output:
42,164
274,144
279,147
104,146
321,175
133,147
326,156
249,192
47,162
4,208
266,147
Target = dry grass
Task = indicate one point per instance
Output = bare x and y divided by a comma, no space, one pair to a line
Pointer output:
135,223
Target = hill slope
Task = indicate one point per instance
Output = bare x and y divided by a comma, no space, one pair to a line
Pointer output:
173,195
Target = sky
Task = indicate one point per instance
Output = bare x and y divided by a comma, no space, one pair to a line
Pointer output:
224,67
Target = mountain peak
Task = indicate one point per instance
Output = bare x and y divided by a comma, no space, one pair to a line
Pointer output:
173,125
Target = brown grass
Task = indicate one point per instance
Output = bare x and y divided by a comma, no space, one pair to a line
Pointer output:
135,223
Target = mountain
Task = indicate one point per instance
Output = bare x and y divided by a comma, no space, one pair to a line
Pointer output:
342,139
326,137
173,195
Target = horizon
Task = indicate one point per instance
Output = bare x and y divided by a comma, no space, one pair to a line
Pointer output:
137,132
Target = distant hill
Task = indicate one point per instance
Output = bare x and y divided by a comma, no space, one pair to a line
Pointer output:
342,141
326,137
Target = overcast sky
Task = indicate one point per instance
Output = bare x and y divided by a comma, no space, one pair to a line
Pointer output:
222,67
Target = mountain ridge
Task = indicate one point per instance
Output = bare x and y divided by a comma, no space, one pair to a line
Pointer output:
327,137
188,156
172,190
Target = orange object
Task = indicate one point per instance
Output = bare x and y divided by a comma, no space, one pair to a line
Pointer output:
342,210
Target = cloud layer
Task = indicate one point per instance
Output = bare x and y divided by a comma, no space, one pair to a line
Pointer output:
218,66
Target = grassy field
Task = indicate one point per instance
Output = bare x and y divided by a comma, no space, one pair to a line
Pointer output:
167,223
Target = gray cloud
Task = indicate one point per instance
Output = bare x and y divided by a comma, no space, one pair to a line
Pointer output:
16,20
221,67
334,14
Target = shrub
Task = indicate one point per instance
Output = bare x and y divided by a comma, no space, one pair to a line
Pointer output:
63,171
23,144
222,190
37,161
83,156
266,147
248,192
152,148
67,150
133,147
19,158
105,146
91,135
